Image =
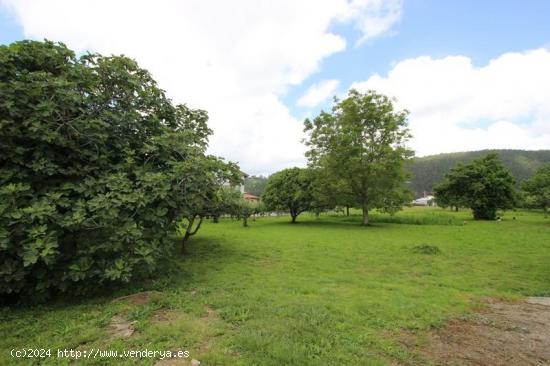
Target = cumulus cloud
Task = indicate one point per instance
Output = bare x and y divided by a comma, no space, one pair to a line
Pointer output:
318,93
232,58
456,106
373,18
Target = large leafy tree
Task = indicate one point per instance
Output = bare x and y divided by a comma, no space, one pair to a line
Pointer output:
97,167
537,189
484,185
332,192
361,145
290,189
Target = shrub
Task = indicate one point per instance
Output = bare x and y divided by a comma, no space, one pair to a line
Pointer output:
96,168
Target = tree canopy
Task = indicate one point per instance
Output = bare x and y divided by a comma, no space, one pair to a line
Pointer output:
290,189
538,189
361,145
97,167
484,185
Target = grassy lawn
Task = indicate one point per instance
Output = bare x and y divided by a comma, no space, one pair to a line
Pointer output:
322,292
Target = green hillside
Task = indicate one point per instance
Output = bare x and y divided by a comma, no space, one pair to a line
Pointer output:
429,170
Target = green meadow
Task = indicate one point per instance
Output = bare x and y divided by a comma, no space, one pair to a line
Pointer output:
324,291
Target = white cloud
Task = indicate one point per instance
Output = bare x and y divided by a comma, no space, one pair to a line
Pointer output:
374,18
456,106
232,58
318,93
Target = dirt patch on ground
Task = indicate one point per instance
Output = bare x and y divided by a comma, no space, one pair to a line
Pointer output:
164,316
502,333
120,327
141,298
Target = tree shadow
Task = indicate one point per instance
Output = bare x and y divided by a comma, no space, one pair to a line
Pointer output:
174,270
330,223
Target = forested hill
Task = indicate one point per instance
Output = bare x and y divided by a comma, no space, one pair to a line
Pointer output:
429,170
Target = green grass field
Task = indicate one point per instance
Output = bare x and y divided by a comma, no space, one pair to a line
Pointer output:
321,292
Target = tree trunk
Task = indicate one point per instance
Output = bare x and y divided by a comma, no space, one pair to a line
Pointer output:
245,221
293,221
189,231
365,215
456,208
545,212
347,210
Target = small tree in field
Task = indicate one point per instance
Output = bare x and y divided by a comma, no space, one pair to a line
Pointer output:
537,189
484,185
225,203
210,198
290,189
361,146
449,195
245,209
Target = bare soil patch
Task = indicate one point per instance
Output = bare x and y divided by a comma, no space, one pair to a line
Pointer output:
502,333
120,327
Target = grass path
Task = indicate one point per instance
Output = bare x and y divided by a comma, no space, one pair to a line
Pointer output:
321,292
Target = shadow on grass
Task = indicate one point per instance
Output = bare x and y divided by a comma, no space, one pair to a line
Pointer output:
328,223
172,271
377,220
186,270
433,219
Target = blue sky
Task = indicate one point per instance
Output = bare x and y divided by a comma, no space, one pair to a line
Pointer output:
10,30
473,74
481,30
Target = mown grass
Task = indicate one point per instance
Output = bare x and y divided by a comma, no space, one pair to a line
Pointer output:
322,292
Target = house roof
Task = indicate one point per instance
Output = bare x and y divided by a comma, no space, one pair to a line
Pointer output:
250,195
